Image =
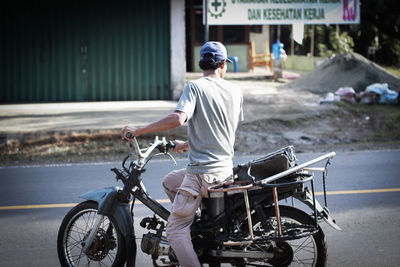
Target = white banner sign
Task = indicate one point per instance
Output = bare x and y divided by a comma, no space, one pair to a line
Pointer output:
256,12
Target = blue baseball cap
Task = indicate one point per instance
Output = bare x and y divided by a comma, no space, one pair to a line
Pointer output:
213,51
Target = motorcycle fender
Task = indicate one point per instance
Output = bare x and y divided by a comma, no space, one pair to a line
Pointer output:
307,198
106,199
100,195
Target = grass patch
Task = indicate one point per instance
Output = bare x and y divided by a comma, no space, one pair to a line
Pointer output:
67,147
394,70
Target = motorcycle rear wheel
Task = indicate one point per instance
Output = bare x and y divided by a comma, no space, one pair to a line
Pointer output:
310,250
107,249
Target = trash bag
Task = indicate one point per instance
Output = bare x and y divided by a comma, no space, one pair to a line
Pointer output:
368,98
347,94
330,98
386,96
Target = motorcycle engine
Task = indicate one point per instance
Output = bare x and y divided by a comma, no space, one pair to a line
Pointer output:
155,245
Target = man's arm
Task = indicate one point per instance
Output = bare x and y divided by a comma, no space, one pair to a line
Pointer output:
169,122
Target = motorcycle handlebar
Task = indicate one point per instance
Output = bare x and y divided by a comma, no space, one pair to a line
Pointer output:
129,135
162,146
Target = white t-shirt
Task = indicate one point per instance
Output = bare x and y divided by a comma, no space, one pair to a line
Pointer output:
214,109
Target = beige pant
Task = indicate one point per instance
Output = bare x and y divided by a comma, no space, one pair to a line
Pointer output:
186,191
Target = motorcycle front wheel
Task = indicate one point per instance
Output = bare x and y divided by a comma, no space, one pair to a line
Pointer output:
305,250
108,246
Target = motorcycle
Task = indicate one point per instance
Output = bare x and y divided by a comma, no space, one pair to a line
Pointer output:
242,222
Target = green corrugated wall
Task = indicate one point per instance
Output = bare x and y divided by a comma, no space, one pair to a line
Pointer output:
84,50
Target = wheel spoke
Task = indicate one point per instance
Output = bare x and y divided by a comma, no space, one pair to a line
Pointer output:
75,245
110,257
302,245
303,262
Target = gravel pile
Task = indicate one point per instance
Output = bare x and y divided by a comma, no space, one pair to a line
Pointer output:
345,70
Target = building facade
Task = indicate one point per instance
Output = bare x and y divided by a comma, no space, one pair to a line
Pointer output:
91,50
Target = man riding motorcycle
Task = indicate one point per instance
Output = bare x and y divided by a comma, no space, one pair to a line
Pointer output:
212,108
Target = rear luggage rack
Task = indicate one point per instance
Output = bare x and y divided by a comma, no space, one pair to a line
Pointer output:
277,170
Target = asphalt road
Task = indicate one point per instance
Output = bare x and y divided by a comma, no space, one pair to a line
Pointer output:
364,199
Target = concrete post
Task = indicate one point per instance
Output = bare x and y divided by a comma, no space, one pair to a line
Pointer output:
178,47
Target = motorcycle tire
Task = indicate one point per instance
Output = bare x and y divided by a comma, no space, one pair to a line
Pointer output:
311,250
107,249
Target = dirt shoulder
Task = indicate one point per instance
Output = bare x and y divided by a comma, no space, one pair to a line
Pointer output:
274,117
277,116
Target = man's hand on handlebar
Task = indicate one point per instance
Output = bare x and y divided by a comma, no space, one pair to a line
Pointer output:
180,146
128,132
